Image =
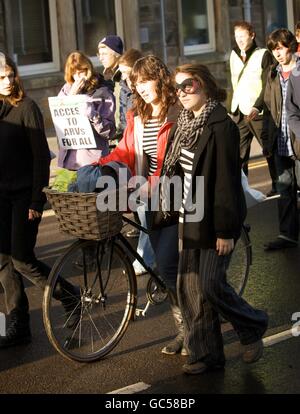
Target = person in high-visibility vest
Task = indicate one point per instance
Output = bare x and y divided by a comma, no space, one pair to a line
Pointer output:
249,67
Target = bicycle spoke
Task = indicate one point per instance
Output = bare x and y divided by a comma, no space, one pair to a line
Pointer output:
105,307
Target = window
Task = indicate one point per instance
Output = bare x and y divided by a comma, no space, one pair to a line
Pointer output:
95,19
276,15
31,34
197,26
265,15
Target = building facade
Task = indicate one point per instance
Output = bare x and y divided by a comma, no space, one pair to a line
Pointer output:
39,34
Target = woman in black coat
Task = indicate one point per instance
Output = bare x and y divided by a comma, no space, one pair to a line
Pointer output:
24,171
206,151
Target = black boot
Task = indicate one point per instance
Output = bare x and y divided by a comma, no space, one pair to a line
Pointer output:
70,298
17,332
176,346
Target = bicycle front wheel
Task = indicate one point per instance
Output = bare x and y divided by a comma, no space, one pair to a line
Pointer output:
89,300
239,267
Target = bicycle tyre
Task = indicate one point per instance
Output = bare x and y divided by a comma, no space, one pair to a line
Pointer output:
240,262
102,321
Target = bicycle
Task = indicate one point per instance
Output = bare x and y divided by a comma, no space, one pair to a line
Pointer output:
108,293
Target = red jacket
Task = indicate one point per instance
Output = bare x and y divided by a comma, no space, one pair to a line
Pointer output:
130,148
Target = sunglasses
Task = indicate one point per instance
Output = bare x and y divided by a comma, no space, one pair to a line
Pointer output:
188,86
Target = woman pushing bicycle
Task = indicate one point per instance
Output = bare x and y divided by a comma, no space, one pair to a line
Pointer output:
143,149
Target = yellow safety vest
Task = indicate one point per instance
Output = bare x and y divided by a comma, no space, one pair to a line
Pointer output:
247,88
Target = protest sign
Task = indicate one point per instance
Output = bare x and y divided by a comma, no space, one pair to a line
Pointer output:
72,126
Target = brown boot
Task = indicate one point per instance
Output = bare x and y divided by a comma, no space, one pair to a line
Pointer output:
253,352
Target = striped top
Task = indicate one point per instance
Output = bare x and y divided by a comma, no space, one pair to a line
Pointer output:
151,129
186,162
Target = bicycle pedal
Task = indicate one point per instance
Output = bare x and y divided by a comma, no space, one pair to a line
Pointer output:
139,312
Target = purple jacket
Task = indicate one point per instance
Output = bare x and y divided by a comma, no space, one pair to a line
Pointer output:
101,113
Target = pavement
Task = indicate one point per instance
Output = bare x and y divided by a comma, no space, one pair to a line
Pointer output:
137,364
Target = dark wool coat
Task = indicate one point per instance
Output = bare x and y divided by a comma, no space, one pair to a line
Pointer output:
24,152
217,159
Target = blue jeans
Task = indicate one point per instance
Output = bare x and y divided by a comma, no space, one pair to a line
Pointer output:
144,247
165,245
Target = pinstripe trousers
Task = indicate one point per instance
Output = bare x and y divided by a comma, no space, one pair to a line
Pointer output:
203,294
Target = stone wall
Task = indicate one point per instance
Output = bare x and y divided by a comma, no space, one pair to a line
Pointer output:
143,29
42,87
236,13
151,27
172,33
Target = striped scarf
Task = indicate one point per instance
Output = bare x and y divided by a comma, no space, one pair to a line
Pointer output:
188,131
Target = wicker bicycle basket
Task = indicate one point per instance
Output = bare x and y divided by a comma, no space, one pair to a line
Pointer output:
78,215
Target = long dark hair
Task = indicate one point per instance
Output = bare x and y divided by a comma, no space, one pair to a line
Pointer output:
18,92
206,80
152,68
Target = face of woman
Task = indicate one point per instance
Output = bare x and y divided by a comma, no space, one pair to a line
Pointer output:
80,75
147,90
6,81
189,92
125,70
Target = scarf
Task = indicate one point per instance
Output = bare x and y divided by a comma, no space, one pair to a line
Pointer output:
187,135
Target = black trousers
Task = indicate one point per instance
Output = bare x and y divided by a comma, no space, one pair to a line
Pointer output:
286,183
203,294
17,242
249,129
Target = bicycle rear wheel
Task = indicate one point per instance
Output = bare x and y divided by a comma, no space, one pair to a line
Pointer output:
240,262
102,307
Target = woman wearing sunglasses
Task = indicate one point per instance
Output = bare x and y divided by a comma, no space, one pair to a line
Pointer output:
206,144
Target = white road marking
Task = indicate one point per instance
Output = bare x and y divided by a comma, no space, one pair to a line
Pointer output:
267,341
279,337
132,389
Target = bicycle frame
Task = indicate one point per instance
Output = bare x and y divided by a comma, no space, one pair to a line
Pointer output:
123,242
131,250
